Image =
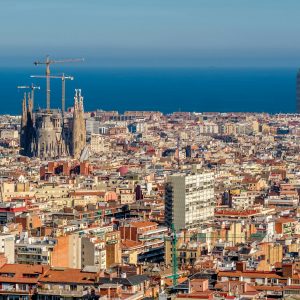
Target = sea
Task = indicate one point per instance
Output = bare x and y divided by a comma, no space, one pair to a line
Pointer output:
271,90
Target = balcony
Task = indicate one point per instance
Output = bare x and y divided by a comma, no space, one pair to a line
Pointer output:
64,293
136,296
28,251
14,291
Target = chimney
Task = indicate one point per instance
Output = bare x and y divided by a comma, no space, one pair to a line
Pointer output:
241,266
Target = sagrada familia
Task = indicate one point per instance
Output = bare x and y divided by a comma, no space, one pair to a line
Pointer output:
49,133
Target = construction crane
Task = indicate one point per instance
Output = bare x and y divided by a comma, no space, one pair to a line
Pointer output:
178,151
174,256
63,78
48,62
32,87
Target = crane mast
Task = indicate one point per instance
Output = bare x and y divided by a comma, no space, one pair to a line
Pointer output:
48,62
174,256
63,78
63,91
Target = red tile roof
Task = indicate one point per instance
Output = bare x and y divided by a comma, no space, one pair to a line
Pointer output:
68,276
20,273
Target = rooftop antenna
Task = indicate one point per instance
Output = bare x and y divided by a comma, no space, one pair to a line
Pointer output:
48,62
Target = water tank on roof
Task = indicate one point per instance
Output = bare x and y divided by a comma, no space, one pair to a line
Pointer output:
123,170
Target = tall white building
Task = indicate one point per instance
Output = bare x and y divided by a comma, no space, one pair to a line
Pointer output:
189,199
7,246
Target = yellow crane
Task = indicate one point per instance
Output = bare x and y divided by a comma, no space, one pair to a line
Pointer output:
63,78
49,62
32,87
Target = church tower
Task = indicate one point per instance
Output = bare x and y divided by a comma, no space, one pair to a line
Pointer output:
23,134
78,133
27,130
24,112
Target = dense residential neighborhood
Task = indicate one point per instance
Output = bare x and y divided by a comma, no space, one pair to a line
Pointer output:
179,206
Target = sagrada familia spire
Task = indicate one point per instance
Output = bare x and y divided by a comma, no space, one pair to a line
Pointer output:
27,131
79,133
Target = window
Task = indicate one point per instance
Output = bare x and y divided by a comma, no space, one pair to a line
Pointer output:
73,287
7,274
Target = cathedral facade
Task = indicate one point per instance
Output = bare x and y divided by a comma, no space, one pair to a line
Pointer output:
49,134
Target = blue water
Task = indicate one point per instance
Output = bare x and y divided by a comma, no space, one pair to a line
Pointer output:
166,90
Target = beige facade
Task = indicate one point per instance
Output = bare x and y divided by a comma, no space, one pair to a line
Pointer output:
79,133
93,253
7,247
98,143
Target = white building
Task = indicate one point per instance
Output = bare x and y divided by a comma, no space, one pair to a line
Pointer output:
7,247
189,199
9,134
208,128
98,143
243,201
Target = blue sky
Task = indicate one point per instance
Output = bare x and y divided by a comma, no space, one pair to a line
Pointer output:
152,32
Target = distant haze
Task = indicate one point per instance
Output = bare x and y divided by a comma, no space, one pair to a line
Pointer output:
150,33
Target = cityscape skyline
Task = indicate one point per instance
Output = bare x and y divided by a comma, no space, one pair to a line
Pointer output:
149,150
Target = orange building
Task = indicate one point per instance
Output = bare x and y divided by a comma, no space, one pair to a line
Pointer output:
133,230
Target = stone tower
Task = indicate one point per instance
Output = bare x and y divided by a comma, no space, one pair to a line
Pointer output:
51,135
27,130
24,112
78,132
23,134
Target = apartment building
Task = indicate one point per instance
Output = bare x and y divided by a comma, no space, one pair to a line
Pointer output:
98,144
7,245
93,252
189,199
150,235
63,251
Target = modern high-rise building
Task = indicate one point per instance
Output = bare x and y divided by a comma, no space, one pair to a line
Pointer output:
189,200
298,93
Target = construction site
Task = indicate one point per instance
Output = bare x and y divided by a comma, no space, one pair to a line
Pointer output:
51,132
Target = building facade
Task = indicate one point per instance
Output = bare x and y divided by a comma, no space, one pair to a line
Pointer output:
189,200
7,245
